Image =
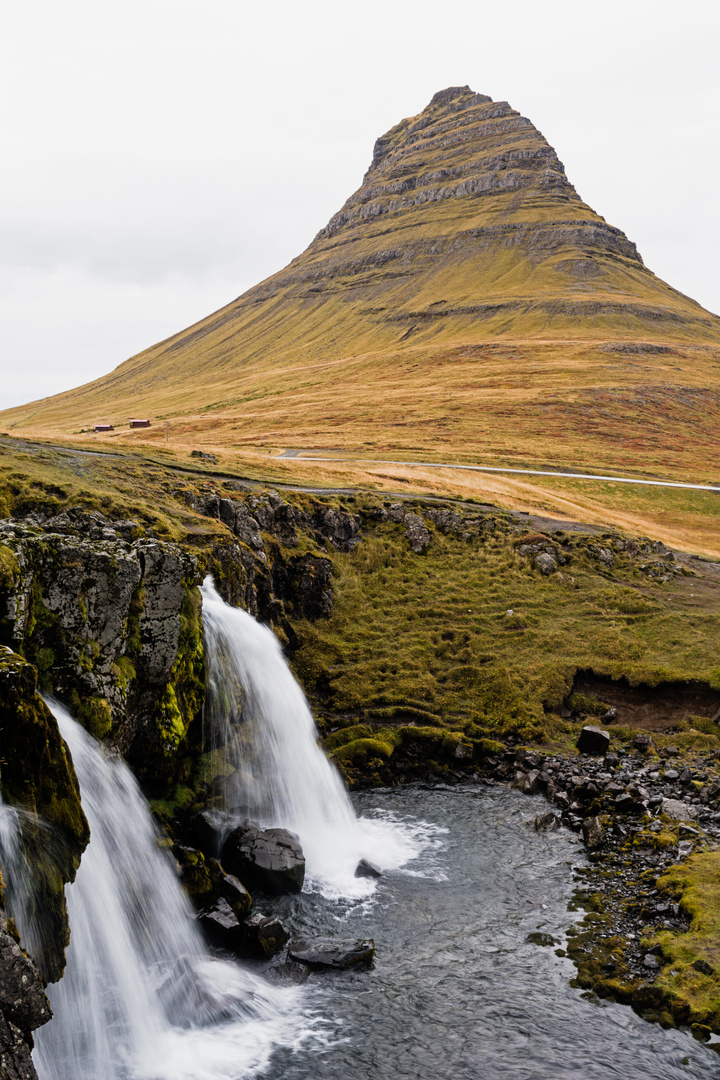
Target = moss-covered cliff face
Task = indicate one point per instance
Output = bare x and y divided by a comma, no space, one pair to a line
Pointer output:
37,774
113,625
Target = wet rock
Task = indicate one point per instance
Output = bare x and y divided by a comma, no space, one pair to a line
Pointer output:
549,822
530,784
263,936
23,1003
204,830
678,810
593,833
270,860
538,938
325,952
545,563
222,926
367,869
236,894
289,973
593,740
416,532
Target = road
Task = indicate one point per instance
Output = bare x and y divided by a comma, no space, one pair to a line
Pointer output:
297,455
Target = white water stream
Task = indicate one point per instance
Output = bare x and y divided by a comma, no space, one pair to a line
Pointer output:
142,999
257,717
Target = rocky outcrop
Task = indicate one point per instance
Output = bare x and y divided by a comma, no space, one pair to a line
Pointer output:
23,1008
113,625
37,774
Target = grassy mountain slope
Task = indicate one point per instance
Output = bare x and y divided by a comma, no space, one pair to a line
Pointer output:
463,304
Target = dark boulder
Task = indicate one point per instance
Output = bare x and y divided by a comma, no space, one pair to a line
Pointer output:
549,822
324,952
643,742
593,833
236,894
204,830
263,936
270,860
593,740
367,869
222,926
205,881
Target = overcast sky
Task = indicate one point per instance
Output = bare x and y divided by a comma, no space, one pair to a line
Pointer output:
159,157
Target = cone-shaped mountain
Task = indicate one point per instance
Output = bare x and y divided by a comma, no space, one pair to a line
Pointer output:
465,230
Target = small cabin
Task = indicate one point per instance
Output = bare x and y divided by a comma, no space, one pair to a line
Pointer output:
103,427
139,423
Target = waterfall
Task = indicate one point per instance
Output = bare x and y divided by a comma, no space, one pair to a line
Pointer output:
259,725
142,998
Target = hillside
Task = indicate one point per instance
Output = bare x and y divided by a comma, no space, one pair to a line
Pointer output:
464,303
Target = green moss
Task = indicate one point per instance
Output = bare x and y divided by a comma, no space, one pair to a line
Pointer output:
9,569
695,884
125,673
346,735
94,713
360,751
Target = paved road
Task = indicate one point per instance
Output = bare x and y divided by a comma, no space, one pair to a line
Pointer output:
297,455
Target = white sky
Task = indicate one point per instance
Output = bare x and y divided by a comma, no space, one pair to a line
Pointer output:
159,157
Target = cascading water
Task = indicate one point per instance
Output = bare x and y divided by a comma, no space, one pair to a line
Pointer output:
257,717
141,998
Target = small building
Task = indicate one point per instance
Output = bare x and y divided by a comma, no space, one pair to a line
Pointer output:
103,427
139,423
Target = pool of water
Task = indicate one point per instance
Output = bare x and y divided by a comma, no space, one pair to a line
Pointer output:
456,991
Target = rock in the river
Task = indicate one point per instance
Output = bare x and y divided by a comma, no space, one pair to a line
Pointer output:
549,822
324,952
263,935
270,860
593,833
288,974
367,869
593,740
222,926
678,810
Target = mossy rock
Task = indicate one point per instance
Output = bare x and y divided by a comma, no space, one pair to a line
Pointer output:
346,735
38,775
361,751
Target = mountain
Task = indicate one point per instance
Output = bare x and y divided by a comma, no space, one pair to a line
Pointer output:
464,278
